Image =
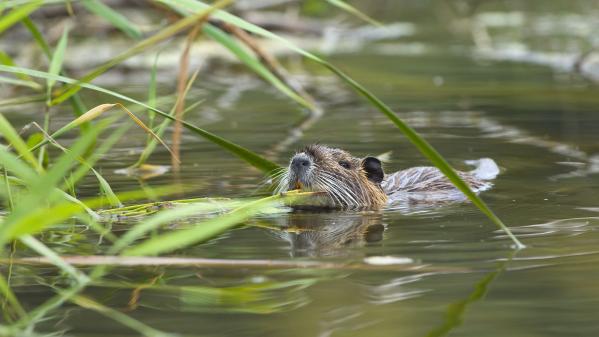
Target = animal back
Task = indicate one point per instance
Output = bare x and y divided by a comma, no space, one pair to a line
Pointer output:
426,183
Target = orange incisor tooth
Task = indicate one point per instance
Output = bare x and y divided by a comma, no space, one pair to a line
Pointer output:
298,185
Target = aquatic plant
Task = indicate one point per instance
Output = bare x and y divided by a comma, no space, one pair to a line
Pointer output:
39,191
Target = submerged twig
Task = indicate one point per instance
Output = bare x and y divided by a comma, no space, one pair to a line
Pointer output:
142,261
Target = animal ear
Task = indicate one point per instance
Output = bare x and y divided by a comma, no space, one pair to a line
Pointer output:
373,169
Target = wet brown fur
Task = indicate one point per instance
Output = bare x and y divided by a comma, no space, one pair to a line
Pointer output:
347,187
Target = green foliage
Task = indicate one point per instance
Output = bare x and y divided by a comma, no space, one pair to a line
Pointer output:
112,16
17,14
187,6
242,55
57,61
202,231
46,193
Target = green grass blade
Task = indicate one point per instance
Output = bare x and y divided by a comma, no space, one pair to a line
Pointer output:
106,145
130,322
65,195
249,60
17,167
37,36
165,33
187,6
113,200
42,188
115,18
43,217
152,143
353,11
20,82
43,250
11,298
7,60
76,102
152,93
252,158
6,191
37,314
57,60
427,150
17,14
202,231
157,220
87,165
11,135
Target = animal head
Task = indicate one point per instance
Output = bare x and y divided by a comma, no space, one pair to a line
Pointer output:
347,181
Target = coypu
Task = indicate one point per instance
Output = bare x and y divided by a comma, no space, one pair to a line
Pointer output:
351,182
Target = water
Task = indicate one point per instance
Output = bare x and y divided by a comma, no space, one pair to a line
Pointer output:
450,271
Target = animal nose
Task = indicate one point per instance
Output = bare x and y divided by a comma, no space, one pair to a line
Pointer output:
300,163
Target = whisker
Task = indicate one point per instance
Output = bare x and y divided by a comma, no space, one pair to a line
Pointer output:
330,191
342,188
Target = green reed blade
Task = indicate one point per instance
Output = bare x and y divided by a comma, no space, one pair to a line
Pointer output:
152,143
17,14
42,187
64,194
427,150
152,93
14,165
115,18
7,60
13,138
252,158
353,11
87,164
204,230
37,36
76,102
152,41
161,218
56,61
128,321
10,297
43,250
187,6
252,63
20,82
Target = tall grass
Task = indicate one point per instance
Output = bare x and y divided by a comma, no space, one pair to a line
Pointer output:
39,196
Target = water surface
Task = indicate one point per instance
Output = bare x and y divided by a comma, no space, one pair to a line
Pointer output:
455,274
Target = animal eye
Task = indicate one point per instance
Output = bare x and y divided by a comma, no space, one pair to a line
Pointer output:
345,164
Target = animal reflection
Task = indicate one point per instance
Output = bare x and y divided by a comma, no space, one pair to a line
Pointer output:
329,233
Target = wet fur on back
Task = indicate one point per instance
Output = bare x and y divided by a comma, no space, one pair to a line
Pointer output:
351,182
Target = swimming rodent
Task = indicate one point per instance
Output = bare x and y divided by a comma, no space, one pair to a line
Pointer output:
352,182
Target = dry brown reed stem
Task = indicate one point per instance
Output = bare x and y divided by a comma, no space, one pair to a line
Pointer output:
136,293
144,261
271,63
181,85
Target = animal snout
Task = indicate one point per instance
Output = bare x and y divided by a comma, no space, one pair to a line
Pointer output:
300,162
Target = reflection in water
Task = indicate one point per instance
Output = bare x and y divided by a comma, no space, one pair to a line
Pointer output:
258,295
395,289
329,233
344,319
491,128
454,316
